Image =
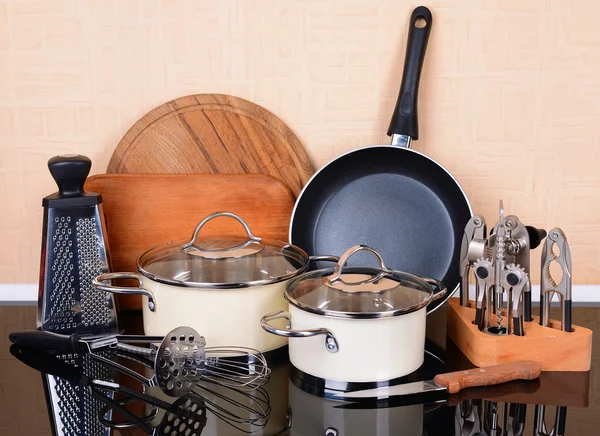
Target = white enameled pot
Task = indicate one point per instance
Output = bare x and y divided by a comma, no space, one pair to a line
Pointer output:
203,310
356,325
218,285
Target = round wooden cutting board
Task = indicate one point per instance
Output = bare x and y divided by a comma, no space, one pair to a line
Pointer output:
212,133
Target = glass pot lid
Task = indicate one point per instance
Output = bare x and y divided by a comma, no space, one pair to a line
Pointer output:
361,292
222,261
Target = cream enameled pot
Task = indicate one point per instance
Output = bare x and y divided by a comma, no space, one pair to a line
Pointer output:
356,324
218,285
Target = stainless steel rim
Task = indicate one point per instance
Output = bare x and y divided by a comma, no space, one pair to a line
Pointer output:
244,285
433,296
448,294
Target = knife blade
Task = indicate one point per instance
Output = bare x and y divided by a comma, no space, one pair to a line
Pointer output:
452,382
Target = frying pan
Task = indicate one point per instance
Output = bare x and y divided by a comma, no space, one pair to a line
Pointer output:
392,198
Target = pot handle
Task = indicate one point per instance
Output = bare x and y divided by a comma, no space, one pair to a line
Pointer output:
438,288
98,283
216,215
331,343
337,272
333,259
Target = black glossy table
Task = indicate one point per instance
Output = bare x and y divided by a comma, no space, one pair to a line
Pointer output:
557,403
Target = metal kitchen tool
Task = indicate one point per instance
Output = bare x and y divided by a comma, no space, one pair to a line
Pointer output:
453,382
179,361
74,252
520,240
484,277
509,242
186,411
472,248
497,419
246,416
556,240
497,279
248,412
539,423
501,264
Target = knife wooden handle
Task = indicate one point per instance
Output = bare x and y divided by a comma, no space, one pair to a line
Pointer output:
490,375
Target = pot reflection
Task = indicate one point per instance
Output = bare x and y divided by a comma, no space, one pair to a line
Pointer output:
312,416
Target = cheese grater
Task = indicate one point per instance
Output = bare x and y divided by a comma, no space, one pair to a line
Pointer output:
74,252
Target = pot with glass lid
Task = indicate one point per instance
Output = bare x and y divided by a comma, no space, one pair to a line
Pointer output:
218,285
356,324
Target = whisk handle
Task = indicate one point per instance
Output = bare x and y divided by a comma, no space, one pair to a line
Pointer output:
45,341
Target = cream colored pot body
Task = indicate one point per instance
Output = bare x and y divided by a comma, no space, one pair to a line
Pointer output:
368,349
225,317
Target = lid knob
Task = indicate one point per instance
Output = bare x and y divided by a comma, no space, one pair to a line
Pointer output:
337,272
220,252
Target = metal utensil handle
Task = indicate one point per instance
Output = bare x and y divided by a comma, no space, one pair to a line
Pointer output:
45,341
331,343
333,259
438,288
98,283
216,215
337,272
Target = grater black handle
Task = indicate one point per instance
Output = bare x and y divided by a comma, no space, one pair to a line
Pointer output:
47,364
69,172
45,341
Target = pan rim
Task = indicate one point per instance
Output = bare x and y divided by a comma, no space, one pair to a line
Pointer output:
305,187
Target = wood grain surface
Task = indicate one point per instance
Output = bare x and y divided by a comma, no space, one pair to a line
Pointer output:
143,211
489,376
212,133
554,349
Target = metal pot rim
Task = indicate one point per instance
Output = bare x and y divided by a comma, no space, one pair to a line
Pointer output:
424,282
208,285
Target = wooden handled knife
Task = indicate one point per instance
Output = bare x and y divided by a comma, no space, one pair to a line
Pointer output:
452,382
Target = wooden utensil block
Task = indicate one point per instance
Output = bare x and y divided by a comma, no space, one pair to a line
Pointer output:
145,210
554,349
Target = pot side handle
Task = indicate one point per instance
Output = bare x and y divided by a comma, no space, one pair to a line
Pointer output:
331,343
100,283
438,288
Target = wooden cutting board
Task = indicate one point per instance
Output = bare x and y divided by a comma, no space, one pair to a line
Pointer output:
145,210
212,133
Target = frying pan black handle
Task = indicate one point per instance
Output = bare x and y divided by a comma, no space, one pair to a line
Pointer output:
45,341
404,120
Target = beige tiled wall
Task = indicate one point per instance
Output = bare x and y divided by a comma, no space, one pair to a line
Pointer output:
510,99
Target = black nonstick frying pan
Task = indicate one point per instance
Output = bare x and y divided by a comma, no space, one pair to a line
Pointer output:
389,197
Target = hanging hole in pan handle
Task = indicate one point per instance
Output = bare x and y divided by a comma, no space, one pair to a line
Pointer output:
216,215
438,288
331,343
100,283
339,268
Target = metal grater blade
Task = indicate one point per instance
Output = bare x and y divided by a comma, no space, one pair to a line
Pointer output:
75,255
66,404
74,252
92,405
76,410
